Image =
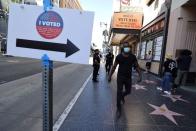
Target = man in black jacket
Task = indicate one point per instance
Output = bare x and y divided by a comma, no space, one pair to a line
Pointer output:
109,61
96,65
183,62
125,60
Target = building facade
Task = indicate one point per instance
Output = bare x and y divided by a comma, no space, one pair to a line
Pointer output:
153,34
182,32
169,26
126,24
74,4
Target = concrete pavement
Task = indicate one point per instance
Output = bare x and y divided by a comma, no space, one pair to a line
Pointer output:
21,100
146,109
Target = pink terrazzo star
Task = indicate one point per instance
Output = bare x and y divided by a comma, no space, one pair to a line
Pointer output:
174,98
150,82
163,110
138,87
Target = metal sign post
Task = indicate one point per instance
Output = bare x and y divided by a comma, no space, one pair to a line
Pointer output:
47,36
47,86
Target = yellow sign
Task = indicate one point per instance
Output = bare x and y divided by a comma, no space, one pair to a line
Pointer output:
127,20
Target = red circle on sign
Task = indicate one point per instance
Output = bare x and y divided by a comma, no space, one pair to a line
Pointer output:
49,25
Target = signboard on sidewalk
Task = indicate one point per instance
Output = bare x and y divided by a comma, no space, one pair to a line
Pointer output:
62,34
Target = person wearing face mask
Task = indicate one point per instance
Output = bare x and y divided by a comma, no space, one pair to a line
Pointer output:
125,60
96,65
109,61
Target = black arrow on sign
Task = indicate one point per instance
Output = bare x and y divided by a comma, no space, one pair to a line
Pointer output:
68,48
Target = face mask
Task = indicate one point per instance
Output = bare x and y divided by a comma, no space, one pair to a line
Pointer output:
126,50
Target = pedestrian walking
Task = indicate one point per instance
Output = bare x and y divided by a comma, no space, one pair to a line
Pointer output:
96,65
148,61
109,61
125,60
183,62
100,56
169,74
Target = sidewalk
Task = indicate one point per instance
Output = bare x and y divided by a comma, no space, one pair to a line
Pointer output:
146,109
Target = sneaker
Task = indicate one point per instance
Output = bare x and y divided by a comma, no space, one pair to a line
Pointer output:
167,92
159,88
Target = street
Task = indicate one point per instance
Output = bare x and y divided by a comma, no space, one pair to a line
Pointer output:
13,68
21,97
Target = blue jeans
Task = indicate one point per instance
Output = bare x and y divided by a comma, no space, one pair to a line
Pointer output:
167,79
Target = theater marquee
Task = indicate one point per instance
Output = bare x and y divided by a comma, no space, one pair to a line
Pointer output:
127,20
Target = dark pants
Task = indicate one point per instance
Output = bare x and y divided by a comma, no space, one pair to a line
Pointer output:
122,81
95,71
181,77
108,66
166,81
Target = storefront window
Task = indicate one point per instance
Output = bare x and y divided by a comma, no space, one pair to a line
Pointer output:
143,49
149,46
157,48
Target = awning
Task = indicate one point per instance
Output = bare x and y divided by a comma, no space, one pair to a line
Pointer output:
124,24
116,38
190,3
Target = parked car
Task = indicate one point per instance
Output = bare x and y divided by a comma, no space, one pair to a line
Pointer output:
4,45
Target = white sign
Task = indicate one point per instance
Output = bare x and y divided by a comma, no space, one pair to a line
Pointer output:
63,34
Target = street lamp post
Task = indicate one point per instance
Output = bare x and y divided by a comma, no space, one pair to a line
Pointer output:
105,34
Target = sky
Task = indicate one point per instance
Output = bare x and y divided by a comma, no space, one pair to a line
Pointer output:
102,13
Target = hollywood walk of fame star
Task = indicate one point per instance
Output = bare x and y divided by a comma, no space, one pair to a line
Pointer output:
137,87
174,98
163,110
150,82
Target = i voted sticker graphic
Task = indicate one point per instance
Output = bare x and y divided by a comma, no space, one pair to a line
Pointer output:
49,25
